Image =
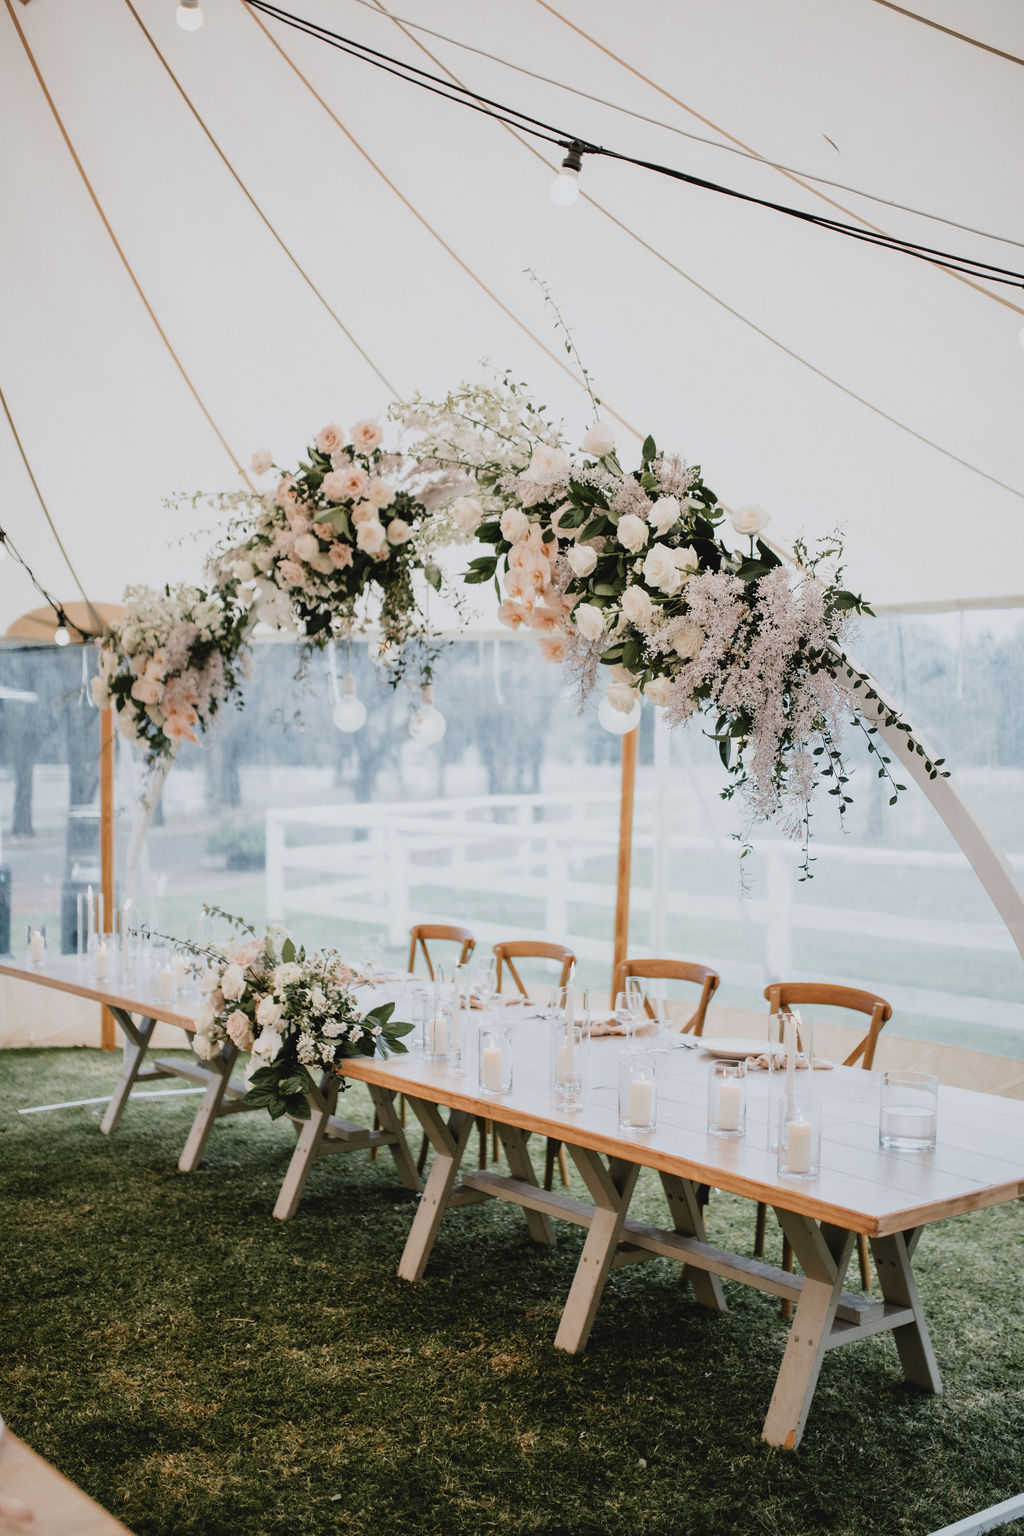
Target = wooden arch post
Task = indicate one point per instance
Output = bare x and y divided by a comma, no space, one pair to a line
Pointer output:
108,734
624,875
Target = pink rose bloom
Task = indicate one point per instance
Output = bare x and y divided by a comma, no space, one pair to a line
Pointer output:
217,1000
367,435
380,493
364,512
325,531
371,538
262,461
285,493
512,614
246,953
329,439
292,573
552,648
239,1030
298,522
345,484
399,531
284,542
340,556
306,547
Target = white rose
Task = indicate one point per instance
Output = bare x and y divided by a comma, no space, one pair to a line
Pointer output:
582,558
686,560
233,982
380,493
243,569
637,606
468,513
262,461
548,465
239,1031
515,524
556,522
398,531
366,435
664,514
371,538
285,974
100,692
209,981
205,1017
589,620
364,512
659,690
599,440
632,532
205,1049
687,640
750,519
268,1012
266,1045
263,560
306,546
621,697
661,570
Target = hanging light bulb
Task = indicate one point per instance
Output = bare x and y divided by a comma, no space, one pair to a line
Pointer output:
188,16
427,725
565,188
60,634
615,721
349,713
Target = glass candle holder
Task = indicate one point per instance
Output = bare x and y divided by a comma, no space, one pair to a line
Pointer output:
908,1111
35,943
799,1149
104,955
494,1060
570,1035
441,1033
727,1099
638,1093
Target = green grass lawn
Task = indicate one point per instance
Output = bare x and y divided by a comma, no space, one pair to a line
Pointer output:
200,1368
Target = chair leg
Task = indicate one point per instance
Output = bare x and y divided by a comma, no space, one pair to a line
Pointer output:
421,1161
553,1150
759,1226
481,1125
563,1165
787,1264
375,1150
865,1262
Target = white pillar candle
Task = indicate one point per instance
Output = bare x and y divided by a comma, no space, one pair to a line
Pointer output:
37,947
492,1068
102,963
641,1095
438,1034
798,1146
730,1104
165,985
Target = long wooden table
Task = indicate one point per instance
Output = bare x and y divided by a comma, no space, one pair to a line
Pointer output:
59,1507
889,1196
137,1012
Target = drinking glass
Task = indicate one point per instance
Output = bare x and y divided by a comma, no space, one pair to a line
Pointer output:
638,1093
629,1010
485,985
570,1036
908,1111
727,1100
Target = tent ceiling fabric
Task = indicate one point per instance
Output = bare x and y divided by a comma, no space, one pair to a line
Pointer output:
854,91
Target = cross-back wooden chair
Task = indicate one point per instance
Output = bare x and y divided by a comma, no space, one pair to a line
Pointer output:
529,949
419,933
670,970
783,995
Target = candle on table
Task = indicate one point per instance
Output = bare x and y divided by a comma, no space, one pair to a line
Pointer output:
37,947
102,963
641,1096
798,1146
438,1034
165,985
730,1104
492,1068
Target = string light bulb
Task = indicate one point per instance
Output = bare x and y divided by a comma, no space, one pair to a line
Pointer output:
427,725
565,188
61,635
349,713
615,721
189,16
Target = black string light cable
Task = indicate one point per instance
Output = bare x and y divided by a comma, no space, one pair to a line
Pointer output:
62,634
576,147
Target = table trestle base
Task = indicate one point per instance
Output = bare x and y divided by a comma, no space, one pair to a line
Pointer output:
325,1133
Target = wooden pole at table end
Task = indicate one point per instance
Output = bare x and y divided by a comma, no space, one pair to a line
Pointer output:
108,1031
625,866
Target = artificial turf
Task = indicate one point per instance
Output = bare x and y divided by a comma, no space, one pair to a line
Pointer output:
198,1367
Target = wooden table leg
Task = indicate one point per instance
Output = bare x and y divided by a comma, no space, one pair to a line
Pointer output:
611,1189
219,1068
688,1218
321,1106
540,1226
388,1120
449,1142
893,1257
824,1252
137,1038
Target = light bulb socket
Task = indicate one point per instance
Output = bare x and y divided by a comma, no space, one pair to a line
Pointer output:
427,693
348,687
574,159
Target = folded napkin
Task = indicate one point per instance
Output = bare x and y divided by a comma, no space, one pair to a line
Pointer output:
610,1027
498,1002
760,1063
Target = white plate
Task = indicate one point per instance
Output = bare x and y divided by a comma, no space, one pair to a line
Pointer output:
733,1047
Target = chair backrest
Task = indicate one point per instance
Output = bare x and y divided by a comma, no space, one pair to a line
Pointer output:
785,994
517,949
421,932
671,970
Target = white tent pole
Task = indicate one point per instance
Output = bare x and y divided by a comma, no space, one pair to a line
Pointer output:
988,863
